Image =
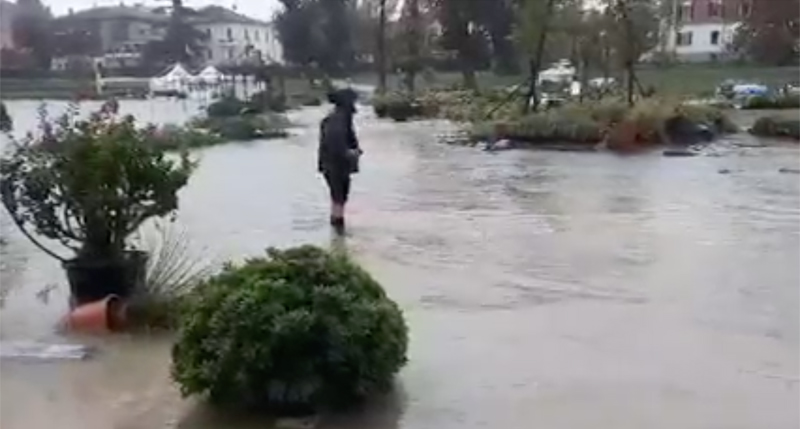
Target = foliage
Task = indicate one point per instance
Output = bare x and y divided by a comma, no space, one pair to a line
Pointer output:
591,123
6,123
89,184
318,34
244,127
301,328
542,127
775,126
268,101
770,32
182,43
30,30
787,101
172,272
173,137
227,106
464,35
398,106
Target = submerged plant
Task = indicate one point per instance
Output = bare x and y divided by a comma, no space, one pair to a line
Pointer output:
173,270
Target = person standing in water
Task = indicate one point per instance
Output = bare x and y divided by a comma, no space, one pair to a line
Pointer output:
339,152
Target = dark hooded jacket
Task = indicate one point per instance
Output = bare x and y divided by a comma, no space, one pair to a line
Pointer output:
338,144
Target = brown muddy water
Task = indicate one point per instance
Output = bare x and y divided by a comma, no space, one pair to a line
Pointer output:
542,289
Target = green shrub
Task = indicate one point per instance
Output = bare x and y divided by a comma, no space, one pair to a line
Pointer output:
173,137
786,101
587,123
545,127
245,127
266,101
301,329
227,106
773,126
398,106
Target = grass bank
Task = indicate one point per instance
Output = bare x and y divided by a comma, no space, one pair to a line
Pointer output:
678,80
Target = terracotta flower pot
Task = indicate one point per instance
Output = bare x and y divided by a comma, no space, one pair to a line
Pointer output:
105,315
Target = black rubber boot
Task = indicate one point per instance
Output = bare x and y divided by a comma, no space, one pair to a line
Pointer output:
338,224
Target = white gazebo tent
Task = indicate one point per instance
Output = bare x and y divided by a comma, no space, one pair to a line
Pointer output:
210,75
175,79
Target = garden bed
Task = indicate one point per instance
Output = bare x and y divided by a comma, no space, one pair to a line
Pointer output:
650,124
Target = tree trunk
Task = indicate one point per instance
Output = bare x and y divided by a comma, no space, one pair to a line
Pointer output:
584,75
470,80
382,49
413,46
631,75
630,61
535,64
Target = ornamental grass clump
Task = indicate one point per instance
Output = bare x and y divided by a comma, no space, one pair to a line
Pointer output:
299,330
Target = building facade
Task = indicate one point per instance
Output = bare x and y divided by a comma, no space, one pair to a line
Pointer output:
115,35
232,38
703,30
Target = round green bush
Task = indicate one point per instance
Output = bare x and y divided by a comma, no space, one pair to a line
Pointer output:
226,107
773,126
300,330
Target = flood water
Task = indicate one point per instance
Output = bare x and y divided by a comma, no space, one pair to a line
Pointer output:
542,289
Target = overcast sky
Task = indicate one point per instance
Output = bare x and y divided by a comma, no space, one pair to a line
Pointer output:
261,9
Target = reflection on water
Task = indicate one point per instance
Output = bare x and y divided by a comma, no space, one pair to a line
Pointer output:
542,289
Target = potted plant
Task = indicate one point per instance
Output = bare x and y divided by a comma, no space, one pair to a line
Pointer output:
86,186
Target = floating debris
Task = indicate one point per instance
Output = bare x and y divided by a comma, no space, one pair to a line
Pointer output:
30,350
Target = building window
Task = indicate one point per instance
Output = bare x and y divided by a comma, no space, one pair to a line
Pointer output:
230,53
686,12
714,8
715,37
209,54
208,33
255,35
246,35
745,8
684,39
230,34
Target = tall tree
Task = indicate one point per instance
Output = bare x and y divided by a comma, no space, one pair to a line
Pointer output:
182,43
31,30
295,31
381,54
497,17
770,33
318,34
409,43
535,26
338,54
463,33
633,27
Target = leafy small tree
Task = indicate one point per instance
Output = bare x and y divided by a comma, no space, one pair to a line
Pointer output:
88,185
